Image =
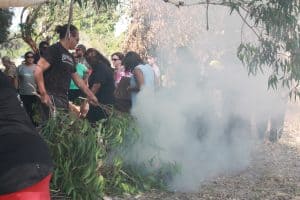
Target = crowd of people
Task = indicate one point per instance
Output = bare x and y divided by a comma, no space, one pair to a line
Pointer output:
66,72
58,76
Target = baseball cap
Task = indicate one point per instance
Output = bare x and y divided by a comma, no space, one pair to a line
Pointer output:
82,47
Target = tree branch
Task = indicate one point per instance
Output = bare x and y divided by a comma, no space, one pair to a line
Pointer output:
207,23
251,27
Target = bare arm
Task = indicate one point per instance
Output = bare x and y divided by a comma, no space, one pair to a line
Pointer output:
140,80
81,84
84,107
95,88
42,66
16,82
86,77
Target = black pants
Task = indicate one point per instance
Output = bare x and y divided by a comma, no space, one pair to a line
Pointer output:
74,94
95,114
28,101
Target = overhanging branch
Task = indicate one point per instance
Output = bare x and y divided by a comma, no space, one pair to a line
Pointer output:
229,3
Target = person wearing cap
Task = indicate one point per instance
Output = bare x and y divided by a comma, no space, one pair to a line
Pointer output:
81,70
80,51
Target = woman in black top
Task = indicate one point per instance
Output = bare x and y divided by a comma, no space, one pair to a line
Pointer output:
101,83
55,70
24,157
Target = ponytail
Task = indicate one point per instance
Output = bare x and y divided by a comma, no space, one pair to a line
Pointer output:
62,30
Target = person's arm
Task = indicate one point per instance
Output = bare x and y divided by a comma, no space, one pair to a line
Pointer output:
18,78
16,83
39,79
12,74
86,76
95,88
81,84
138,74
84,108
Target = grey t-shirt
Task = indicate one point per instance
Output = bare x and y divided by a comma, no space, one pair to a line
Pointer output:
27,83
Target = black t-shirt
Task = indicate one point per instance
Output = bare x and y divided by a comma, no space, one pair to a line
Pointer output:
24,156
62,64
104,75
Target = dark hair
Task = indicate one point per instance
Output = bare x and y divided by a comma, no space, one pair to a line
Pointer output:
119,54
62,30
42,44
94,58
27,53
131,60
81,47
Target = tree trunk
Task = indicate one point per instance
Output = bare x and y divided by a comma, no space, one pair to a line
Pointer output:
27,29
19,3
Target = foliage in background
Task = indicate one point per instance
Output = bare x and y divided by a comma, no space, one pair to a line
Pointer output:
6,43
90,162
98,4
167,31
276,26
5,22
97,30
14,48
95,20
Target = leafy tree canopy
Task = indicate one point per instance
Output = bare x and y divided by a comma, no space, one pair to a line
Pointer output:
97,3
5,22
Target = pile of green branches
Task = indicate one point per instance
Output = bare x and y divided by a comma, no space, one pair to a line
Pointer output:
89,161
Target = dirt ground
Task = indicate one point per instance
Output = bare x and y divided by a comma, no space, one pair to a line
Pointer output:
274,172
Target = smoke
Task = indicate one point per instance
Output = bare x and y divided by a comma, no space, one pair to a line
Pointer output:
210,114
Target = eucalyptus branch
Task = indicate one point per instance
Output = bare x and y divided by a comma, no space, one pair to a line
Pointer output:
70,17
221,3
207,5
204,2
251,27
22,14
21,20
242,28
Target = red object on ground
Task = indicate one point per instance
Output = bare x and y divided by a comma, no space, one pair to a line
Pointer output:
38,191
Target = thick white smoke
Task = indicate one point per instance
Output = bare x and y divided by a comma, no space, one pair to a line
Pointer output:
207,119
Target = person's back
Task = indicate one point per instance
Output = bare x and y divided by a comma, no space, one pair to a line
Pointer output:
101,82
25,158
149,80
